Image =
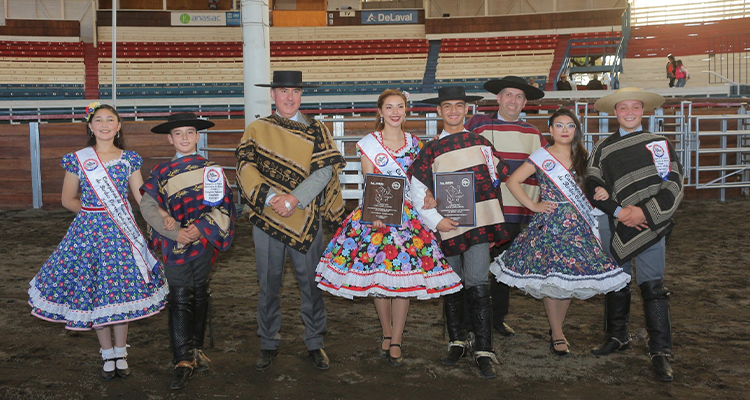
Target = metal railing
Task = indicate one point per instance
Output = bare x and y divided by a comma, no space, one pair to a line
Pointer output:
723,165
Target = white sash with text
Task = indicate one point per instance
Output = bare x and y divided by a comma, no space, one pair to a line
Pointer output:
565,182
382,159
117,208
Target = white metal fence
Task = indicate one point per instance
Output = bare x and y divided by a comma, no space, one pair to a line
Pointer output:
725,164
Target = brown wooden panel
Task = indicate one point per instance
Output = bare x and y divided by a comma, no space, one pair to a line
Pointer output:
197,5
507,23
40,27
134,18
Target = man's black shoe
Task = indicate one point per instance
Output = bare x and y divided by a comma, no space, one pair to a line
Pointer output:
455,352
663,368
319,358
265,359
182,372
609,346
486,367
505,330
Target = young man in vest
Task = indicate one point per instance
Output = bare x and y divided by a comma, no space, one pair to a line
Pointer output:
467,248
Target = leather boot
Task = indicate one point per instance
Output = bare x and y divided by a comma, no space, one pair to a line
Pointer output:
480,307
180,334
616,315
453,304
659,326
202,296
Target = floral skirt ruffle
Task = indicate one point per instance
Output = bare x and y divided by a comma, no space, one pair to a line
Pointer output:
403,261
558,256
92,279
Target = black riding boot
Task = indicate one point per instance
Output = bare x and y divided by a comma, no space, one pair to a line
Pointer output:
480,307
616,315
200,312
659,325
180,334
453,304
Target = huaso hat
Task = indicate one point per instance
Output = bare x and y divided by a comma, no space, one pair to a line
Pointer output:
182,119
650,100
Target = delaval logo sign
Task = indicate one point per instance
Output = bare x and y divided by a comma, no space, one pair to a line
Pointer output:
390,17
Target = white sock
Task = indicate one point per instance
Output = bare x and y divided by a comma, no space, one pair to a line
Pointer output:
108,354
122,352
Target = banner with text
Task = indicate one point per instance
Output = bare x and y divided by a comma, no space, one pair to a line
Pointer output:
390,17
206,18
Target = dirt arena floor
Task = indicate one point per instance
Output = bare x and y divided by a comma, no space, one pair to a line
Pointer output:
707,271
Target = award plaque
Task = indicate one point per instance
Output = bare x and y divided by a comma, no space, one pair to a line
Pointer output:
383,199
454,192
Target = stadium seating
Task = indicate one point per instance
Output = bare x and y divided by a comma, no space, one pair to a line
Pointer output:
37,69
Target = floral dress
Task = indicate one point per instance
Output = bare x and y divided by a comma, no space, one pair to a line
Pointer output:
557,255
92,279
403,261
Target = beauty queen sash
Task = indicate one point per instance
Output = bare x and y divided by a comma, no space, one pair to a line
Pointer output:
564,181
117,208
382,159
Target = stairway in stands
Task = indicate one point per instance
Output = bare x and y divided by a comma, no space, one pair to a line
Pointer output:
428,82
91,62
562,44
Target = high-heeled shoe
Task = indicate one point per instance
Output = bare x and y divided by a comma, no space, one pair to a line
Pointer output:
558,342
395,361
383,353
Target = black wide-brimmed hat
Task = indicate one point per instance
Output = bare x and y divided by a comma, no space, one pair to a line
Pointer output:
451,93
178,120
516,82
290,79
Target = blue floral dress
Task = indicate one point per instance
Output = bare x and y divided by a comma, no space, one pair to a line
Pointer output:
557,255
92,279
403,261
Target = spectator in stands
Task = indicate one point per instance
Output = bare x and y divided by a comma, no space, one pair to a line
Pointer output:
515,140
533,83
643,177
594,84
200,223
287,173
102,275
671,69
563,83
213,4
681,74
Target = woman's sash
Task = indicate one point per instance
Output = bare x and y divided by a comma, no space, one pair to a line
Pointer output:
561,177
117,208
383,160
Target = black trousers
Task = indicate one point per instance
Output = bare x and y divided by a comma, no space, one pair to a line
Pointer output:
500,292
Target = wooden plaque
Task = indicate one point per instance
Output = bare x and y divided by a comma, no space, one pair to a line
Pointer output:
383,199
454,192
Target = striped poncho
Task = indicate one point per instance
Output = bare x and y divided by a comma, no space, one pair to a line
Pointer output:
624,166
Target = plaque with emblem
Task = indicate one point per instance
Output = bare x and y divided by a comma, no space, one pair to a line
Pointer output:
454,193
383,199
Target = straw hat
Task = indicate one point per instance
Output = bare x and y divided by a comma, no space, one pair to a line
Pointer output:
650,100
